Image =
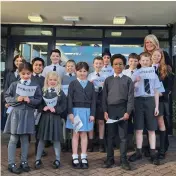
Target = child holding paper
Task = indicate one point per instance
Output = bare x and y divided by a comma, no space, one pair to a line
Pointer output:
50,127
146,105
97,78
133,61
158,62
118,101
23,96
107,68
67,79
81,105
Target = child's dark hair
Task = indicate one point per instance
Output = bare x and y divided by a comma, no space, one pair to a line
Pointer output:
98,58
134,56
71,61
106,52
145,54
81,65
25,66
38,59
14,59
56,51
118,56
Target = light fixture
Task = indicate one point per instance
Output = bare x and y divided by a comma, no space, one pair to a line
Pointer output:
46,32
119,20
71,18
116,34
36,18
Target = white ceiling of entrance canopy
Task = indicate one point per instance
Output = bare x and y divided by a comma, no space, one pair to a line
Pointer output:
91,12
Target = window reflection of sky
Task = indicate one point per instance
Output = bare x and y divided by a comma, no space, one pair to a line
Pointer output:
88,53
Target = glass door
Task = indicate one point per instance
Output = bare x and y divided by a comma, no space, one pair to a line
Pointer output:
30,50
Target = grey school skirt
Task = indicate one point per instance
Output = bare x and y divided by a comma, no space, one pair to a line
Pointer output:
20,121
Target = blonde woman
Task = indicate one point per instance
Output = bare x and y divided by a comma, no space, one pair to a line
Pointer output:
50,128
151,43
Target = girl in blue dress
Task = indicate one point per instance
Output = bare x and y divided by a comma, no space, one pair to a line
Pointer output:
82,104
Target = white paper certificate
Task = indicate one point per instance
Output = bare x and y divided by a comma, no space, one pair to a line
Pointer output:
77,123
9,109
147,73
51,102
24,90
65,89
98,82
112,121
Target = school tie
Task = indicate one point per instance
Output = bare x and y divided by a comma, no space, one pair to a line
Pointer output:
106,66
70,74
98,74
37,75
54,68
132,72
147,86
52,89
156,70
25,82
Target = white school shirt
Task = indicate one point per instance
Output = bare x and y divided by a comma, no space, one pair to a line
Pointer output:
16,73
139,90
128,72
34,74
59,69
68,74
107,70
155,65
120,75
97,80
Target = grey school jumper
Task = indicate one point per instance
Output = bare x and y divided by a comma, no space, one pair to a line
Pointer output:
118,90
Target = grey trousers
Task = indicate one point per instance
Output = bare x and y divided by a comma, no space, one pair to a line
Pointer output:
40,148
12,147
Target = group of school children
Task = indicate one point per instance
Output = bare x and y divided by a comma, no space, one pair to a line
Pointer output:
108,93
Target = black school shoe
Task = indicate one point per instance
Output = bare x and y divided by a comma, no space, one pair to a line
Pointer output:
125,165
13,169
84,165
109,164
134,157
24,166
75,166
38,164
155,160
56,164
161,156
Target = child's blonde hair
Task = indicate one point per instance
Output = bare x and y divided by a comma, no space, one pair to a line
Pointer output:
162,65
52,74
152,38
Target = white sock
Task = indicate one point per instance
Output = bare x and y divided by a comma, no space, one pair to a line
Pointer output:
75,158
83,158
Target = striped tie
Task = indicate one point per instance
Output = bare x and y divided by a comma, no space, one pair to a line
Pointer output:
54,69
24,82
147,86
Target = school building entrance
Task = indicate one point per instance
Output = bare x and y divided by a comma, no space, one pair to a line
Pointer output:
82,30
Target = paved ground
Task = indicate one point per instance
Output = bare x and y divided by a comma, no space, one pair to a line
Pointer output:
141,168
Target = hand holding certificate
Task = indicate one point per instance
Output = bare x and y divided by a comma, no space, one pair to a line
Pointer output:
113,121
77,124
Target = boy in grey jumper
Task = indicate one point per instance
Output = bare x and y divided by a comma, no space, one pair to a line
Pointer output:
118,102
